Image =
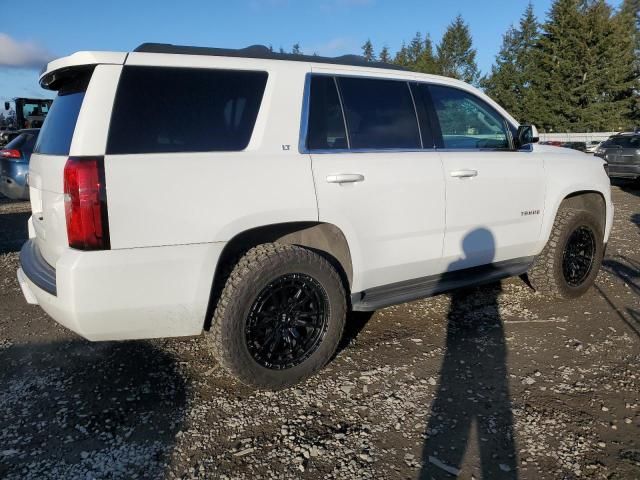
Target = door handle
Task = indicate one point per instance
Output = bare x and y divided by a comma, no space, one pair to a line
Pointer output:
345,178
464,173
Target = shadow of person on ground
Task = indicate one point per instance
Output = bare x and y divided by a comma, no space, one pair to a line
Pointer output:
473,390
76,409
627,270
627,185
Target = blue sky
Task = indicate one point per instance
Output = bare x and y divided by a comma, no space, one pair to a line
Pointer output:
328,27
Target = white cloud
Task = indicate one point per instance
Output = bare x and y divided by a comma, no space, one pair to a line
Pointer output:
15,54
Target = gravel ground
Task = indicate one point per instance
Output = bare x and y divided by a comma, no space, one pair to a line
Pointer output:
490,382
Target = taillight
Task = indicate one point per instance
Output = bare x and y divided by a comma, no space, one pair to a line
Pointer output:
85,204
10,153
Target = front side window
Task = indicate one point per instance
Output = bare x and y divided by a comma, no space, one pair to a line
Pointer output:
380,114
466,121
326,123
164,110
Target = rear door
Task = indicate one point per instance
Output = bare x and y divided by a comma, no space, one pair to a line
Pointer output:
495,195
374,179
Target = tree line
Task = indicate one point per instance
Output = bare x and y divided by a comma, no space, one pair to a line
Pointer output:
578,70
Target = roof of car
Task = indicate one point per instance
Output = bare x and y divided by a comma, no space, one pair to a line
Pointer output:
262,52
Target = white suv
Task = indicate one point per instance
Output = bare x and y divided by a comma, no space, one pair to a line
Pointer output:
260,197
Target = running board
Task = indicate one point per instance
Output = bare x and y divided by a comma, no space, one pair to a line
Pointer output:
407,291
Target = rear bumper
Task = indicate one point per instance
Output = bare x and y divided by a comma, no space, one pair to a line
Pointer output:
124,294
624,171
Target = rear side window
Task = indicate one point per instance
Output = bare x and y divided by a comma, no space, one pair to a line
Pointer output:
326,123
57,131
380,114
164,110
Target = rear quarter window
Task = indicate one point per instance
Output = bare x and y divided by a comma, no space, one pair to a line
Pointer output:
57,131
164,110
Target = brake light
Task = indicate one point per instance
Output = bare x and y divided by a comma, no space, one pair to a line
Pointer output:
10,153
85,204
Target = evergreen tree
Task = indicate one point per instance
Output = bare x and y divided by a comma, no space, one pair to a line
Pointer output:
415,49
402,56
584,76
296,49
385,55
456,56
427,63
628,19
509,82
367,51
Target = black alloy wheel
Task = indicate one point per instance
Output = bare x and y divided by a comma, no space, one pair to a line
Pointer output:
578,256
287,321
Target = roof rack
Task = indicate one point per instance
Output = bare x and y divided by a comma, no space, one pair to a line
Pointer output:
260,51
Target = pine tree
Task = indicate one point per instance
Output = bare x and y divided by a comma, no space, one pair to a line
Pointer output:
584,77
296,49
427,62
628,19
385,55
456,56
415,49
402,56
509,82
558,76
367,51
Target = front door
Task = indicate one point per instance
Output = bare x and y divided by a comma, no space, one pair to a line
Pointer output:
495,194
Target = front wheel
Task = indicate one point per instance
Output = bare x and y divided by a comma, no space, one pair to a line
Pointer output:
569,263
280,316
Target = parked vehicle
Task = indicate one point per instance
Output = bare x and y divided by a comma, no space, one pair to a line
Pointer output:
29,112
6,135
260,197
14,164
622,152
592,146
580,146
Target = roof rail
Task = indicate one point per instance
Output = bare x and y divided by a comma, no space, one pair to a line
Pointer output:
262,52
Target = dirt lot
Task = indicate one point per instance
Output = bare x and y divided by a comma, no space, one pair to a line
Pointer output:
492,382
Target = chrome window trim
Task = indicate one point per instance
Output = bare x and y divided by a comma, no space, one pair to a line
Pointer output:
415,110
374,150
344,115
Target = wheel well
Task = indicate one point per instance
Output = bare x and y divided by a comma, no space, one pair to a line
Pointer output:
590,202
323,238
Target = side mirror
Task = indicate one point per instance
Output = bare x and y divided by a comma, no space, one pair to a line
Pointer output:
6,105
527,134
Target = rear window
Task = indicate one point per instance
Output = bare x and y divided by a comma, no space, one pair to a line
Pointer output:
624,142
164,110
25,142
57,131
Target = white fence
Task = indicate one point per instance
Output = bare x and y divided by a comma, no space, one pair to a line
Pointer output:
575,137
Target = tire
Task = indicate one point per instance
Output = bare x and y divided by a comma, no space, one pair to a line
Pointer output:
256,294
548,274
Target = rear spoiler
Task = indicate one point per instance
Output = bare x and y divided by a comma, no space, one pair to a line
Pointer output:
55,70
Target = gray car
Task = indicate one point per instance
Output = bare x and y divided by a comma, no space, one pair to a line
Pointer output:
622,152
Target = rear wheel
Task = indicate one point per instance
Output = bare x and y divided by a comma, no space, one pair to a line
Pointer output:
280,316
569,263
